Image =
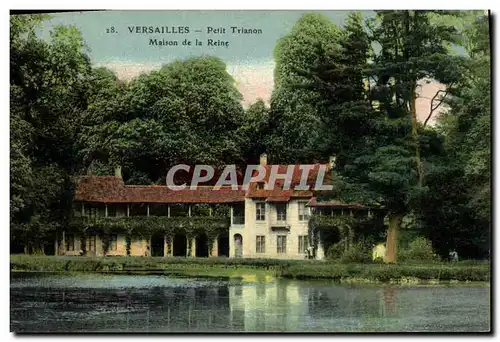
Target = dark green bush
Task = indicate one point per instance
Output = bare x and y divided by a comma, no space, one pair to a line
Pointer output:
335,251
419,249
357,253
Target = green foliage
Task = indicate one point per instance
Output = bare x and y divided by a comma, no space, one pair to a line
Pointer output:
455,213
414,45
330,221
335,251
376,159
34,234
145,226
358,252
294,117
252,133
297,50
297,269
48,88
131,125
344,91
386,273
419,249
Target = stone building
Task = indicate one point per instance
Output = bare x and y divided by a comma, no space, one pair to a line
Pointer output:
261,223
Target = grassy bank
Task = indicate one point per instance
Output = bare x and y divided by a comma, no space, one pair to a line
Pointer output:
257,269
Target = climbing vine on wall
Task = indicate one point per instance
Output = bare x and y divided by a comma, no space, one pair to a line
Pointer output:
342,223
350,227
327,221
145,226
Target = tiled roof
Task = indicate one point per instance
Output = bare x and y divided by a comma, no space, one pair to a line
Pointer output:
98,188
278,193
313,202
112,190
277,199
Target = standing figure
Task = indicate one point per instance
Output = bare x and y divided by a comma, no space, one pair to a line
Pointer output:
309,252
453,256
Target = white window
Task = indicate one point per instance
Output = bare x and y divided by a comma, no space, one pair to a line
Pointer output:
303,211
281,211
281,243
261,211
261,244
303,243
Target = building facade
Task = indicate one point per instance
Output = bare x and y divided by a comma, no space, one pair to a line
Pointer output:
262,222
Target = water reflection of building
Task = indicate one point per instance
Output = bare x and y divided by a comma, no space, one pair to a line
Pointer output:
177,309
280,306
267,307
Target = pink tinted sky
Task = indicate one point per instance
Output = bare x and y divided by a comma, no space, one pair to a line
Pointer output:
256,81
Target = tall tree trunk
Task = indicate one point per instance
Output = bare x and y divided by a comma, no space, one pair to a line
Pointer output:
414,132
392,237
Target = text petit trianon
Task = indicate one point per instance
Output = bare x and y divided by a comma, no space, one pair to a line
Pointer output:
186,29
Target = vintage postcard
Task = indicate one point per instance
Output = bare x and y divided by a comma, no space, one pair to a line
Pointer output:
250,171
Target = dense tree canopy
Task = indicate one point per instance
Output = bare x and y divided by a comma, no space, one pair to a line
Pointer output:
457,210
187,112
348,91
294,117
49,91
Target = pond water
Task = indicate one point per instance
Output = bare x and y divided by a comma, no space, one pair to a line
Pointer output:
134,303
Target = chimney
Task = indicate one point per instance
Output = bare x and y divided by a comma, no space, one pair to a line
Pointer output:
263,159
331,162
118,172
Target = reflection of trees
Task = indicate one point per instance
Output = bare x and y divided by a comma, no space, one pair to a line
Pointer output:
341,301
389,299
193,309
281,306
136,309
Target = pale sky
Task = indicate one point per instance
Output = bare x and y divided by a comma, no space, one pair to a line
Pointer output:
249,57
